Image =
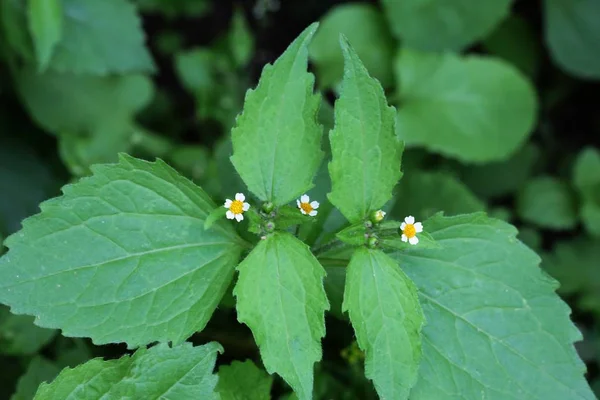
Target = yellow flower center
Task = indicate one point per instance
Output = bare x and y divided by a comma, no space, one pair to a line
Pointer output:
306,207
237,207
410,231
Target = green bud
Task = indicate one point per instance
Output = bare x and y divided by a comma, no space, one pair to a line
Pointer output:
268,207
373,242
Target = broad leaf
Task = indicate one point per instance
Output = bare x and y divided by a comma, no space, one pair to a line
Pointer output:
19,336
366,154
182,372
39,370
280,296
444,25
494,324
244,381
573,35
547,202
364,26
45,25
475,109
277,140
122,256
384,310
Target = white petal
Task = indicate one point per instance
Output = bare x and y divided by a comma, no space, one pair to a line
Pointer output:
314,204
304,198
228,203
245,206
302,211
239,217
313,213
403,225
404,238
230,215
382,213
240,196
410,219
298,202
413,240
419,227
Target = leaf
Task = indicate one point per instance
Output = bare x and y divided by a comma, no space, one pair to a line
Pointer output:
280,296
241,41
364,26
423,194
366,154
244,381
122,256
19,336
473,108
39,370
384,310
45,25
586,178
573,36
494,323
437,25
547,202
276,143
396,243
182,372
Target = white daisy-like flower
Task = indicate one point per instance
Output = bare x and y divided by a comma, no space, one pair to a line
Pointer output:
379,215
306,206
410,228
236,207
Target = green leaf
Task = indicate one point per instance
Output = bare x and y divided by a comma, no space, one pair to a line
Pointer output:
122,256
241,41
494,324
423,194
244,381
182,372
475,109
354,235
19,336
547,202
364,26
384,310
45,25
276,143
366,154
586,178
280,296
395,242
444,25
39,370
573,35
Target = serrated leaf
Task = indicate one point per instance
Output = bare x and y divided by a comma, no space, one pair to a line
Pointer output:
45,25
244,381
547,202
364,26
366,154
39,370
473,108
444,25
494,323
122,256
573,35
19,336
280,296
182,372
276,141
384,310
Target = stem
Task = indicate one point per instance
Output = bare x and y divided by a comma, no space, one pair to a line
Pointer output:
334,244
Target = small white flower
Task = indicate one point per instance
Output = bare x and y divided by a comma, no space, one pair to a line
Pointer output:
410,229
306,206
379,215
236,207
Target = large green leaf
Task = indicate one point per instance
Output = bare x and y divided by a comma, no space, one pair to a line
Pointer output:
364,26
182,372
366,154
122,256
244,381
384,310
280,296
277,140
494,324
573,35
475,109
547,202
442,24
45,25
19,336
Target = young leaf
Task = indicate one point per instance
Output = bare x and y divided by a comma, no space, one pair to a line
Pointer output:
475,109
19,336
366,154
45,24
444,25
122,256
494,323
244,381
384,310
277,140
280,296
547,202
182,372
